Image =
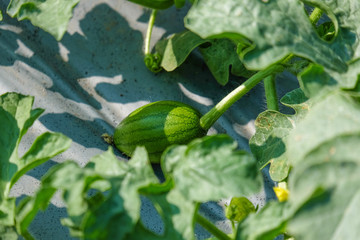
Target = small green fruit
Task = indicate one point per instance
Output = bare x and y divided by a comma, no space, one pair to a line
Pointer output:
156,126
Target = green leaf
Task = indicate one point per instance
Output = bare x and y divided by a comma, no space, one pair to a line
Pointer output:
350,78
268,223
326,30
272,128
8,233
17,116
50,15
29,207
289,31
123,199
1,16
239,208
172,158
333,115
177,48
220,56
99,197
74,182
177,213
20,107
297,100
319,79
7,212
315,82
347,36
107,164
211,168
44,148
140,232
326,186
346,16
267,143
8,142
155,4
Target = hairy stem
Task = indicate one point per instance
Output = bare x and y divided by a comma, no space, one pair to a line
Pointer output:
152,61
213,115
315,15
270,93
211,227
149,31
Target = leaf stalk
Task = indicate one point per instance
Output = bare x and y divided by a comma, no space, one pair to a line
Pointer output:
211,227
270,93
315,15
149,31
215,113
152,61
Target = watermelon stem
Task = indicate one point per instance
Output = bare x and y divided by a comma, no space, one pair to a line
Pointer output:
152,61
215,113
270,93
149,31
107,138
211,227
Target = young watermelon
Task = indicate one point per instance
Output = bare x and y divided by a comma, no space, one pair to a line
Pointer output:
156,126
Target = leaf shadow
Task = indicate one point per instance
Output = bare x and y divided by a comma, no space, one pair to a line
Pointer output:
101,49
39,171
46,224
85,132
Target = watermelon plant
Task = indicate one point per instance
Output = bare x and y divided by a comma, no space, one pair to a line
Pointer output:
16,117
313,153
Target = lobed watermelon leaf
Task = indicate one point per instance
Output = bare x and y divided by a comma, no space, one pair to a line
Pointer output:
289,31
16,117
50,15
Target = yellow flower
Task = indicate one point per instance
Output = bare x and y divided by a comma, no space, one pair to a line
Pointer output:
281,193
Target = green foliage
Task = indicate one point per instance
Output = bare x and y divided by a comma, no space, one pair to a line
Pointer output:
196,169
239,208
152,62
16,117
177,48
314,150
328,181
8,233
346,25
272,128
50,15
268,223
321,148
107,193
219,54
336,114
289,31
